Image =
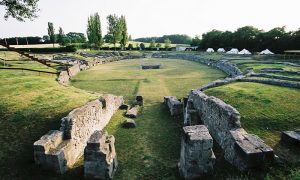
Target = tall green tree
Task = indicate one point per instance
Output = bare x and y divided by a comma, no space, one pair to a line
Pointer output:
152,44
20,9
61,36
94,32
114,29
124,33
51,32
167,43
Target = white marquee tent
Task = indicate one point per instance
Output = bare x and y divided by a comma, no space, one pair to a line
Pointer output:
267,51
233,51
221,50
244,51
210,50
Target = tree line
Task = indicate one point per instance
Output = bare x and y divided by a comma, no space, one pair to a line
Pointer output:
251,38
175,38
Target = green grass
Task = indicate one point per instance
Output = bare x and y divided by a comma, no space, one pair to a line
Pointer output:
151,150
258,67
30,106
266,111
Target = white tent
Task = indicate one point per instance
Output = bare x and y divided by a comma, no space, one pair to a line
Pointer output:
233,51
244,51
267,51
221,50
210,50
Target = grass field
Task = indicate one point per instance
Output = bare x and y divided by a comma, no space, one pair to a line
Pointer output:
266,111
30,106
151,150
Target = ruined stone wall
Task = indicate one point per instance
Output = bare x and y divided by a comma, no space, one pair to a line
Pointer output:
58,150
175,106
243,150
275,82
63,78
225,66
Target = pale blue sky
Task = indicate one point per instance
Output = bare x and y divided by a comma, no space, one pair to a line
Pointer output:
159,17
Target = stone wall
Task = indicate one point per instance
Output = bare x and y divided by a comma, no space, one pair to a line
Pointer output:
243,150
175,106
63,78
58,150
196,155
273,76
224,65
275,82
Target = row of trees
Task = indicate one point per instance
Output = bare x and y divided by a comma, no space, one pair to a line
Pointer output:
152,46
251,38
117,31
175,38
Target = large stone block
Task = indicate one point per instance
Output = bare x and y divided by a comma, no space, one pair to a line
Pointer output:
175,106
291,137
100,159
196,156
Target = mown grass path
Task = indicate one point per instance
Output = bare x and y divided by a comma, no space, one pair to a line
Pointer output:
151,150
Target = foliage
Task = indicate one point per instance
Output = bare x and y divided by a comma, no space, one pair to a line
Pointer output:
124,33
251,38
114,29
142,46
20,9
167,43
130,46
61,37
152,44
175,38
94,32
22,40
51,33
75,37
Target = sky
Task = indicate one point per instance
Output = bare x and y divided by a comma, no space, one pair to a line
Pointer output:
158,17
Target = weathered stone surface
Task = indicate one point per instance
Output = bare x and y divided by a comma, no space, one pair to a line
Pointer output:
175,106
223,123
291,137
133,112
59,150
273,82
63,78
100,159
129,123
196,155
156,66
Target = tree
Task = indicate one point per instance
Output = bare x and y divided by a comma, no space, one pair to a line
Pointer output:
114,29
20,9
94,32
142,46
129,38
130,46
61,36
76,37
167,43
51,33
152,44
124,34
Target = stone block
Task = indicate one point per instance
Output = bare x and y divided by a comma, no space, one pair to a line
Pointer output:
175,106
196,157
100,159
129,123
291,137
133,112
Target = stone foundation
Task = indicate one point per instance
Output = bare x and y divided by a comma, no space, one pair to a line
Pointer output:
196,156
243,150
60,149
175,106
100,159
150,66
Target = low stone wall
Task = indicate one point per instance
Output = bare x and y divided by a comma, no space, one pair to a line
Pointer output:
175,106
274,76
269,62
243,150
281,83
224,65
63,78
196,155
60,149
220,82
280,71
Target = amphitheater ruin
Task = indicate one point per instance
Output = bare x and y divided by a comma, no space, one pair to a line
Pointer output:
206,120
